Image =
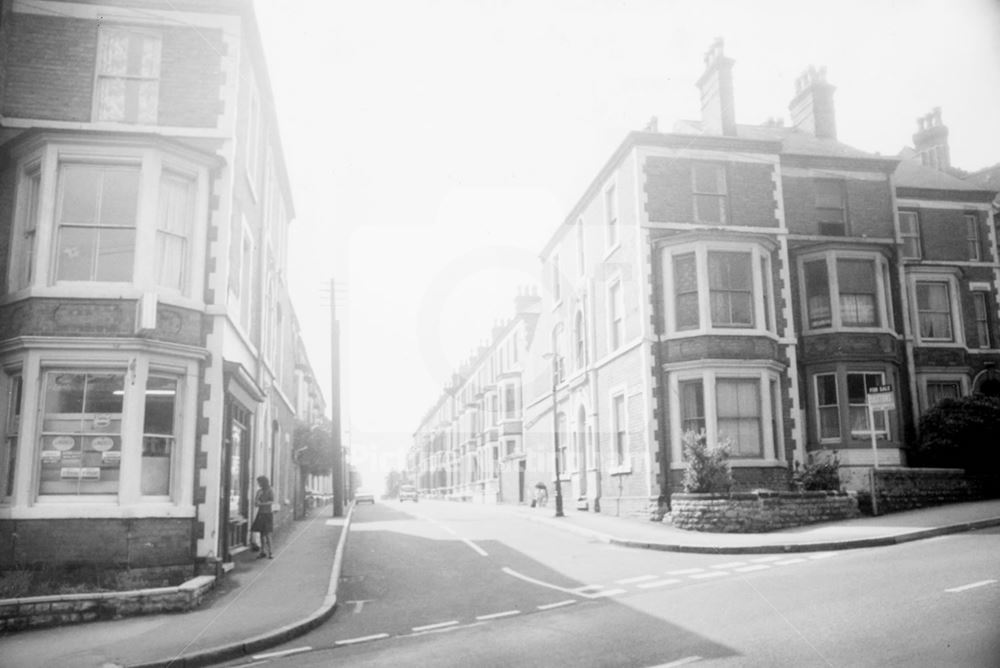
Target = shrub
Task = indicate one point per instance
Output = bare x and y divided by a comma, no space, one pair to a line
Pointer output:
960,433
707,466
818,476
15,583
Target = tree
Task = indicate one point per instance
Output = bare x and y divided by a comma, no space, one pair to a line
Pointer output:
961,433
313,448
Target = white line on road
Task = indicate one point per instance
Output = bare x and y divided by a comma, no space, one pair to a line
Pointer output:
731,564
355,641
679,662
448,529
638,578
446,629
498,615
981,583
822,555
748,569
439,625
788,561
763,560
586,588
605,593
658,583
713,574
511,571
549,606
685,571
287,652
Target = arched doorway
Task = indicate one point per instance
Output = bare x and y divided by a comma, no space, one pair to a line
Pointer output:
987,382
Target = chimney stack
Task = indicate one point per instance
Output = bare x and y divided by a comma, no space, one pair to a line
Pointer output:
812,106
718,107
527,301
931,141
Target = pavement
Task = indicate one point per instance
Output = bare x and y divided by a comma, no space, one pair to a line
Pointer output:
264,603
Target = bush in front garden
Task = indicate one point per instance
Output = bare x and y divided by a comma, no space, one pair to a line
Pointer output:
818,476
960,433
706,468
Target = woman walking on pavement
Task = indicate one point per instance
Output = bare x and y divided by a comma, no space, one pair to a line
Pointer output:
263,522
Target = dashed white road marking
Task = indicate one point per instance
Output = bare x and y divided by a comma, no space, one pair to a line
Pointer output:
788,561
822,555
638,578
439,625
446,629
558,604
685,571
711,574
981,583
498,615
448,529
658,583
286,652
748,569
679,662
764,560
355,641
605,593
731,564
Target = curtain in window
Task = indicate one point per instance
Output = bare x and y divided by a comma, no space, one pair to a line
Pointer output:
938,391
857,397
856,280
738,415
818,293
934,309
173,225
127,86
692,406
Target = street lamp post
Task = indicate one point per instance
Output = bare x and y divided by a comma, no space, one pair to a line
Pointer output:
555,431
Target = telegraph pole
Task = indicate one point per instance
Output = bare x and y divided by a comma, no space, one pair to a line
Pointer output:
338,458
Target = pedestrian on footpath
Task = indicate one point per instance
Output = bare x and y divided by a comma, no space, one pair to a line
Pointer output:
263,522
541,494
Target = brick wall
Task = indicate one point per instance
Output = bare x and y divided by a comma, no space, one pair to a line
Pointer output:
759,511
7,184
942,234
191,77
869,207
719,347
50,68
669,192
746,478
100,542
907,488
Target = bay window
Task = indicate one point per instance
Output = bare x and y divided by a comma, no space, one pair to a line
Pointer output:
717,287
845,290
858,385
159,434
839,405
121,219
12,388
939,390
738,405
827,406
981,316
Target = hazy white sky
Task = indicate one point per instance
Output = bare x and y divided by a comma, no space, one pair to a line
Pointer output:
435,145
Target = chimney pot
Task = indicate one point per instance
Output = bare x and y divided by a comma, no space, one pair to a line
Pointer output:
718,110
931,141
812,107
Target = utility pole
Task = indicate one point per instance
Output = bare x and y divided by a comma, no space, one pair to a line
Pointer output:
338,458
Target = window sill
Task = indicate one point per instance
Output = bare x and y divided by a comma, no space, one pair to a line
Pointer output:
624,469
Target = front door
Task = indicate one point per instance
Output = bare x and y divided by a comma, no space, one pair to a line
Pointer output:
236,490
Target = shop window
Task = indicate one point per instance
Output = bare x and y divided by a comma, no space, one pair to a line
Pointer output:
909,231
709,189
159,435
81,434
128,73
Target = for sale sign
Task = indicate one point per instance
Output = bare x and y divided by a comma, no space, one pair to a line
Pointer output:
881,398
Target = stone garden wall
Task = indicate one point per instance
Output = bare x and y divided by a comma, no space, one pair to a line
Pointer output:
907,488
753,512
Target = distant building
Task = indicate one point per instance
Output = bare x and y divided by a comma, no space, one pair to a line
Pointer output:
755,282
149,360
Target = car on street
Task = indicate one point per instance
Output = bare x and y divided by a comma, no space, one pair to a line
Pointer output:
364,496
408,493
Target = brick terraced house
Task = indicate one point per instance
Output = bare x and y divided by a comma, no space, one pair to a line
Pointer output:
755,282
150,363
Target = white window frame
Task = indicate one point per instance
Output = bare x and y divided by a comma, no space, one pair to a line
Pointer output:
882,310
954,303
721,196
762,301
620,461
924,378
105,32
910,232
842,185
982,297
770,416
865,435
579,340
49,154
12,443
817,408
21,258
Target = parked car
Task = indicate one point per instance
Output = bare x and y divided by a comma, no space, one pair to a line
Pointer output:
364,496
408,493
